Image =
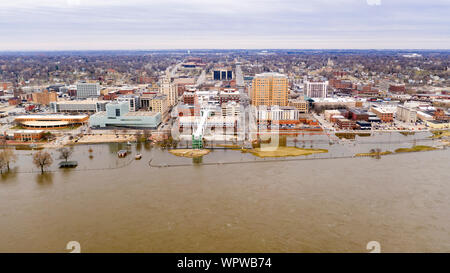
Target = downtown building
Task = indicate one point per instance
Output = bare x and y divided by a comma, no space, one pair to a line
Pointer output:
270,89
88,106
88,90
170,90
221,74
118,114
315,89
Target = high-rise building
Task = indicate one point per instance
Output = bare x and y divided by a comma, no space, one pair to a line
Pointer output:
222,74
316,89
88,90
270,89
169,89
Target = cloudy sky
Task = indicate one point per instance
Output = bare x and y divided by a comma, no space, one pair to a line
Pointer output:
176,24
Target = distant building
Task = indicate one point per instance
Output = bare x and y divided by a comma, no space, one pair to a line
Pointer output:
275,117
397,88
189,98
406,114
159,104
28,135
78,106
88,90
358,114
385,114
346,124
229,95
301,105
155,103
316,89
117,114
438,124
364,125
169,89
440,114
231,109
222,74
133,101
44,97
270,89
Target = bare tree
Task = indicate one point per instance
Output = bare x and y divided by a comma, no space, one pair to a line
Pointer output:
2,165
42,160
8,157
3,141
138,136
64,153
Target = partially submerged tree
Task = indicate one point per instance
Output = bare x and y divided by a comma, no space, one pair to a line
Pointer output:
8,157
138,136
42,159
2,165
64,153
47,136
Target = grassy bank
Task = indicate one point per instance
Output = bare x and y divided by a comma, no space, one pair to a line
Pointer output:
440,134
374,153
283,152
190,153
351,135
231,146
418,148
408,133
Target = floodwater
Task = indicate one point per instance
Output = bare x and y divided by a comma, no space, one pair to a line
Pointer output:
109,204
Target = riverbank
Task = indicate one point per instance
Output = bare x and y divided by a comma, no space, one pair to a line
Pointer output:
441,134
93,139
419,148
373,154
283,152
189,153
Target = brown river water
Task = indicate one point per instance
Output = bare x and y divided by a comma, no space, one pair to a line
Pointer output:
109,204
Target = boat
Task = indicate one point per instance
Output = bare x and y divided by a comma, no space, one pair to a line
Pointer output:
68,164
129,143
122,153
138,156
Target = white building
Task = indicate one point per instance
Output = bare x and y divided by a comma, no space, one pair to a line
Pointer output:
133,102
170,90
315,89
406,114
87,90
231,109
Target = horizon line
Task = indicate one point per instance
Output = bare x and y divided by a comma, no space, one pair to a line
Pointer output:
198,49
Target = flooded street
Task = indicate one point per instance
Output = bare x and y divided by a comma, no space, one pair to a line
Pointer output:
328,205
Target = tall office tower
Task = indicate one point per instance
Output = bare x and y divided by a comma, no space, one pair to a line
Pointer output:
88,90
316,89
222,74
270,89
169,89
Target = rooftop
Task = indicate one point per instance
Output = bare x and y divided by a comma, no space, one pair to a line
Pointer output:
51,117
270,74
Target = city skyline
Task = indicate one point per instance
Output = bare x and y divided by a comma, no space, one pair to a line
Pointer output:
139,25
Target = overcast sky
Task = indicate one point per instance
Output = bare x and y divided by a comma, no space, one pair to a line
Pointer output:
176,24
